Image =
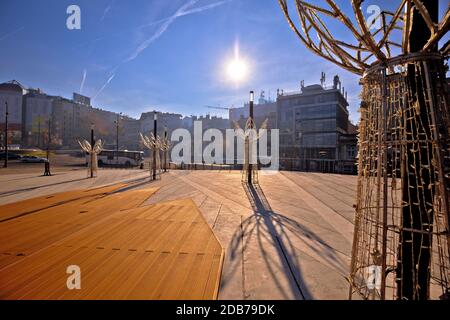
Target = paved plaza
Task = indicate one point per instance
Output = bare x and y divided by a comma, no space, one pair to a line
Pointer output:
288,237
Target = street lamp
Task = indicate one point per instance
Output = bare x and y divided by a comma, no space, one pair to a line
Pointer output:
47,163
39,131
92,150
155,134
6,135
250,166
117,135
164,150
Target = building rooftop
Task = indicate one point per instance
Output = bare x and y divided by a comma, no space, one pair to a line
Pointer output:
12,85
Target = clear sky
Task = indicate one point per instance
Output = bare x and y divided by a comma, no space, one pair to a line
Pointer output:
135,56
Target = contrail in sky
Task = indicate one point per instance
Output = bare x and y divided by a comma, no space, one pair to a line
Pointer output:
104,86
11,33
185,13
160,30
184,10
83,80
106,11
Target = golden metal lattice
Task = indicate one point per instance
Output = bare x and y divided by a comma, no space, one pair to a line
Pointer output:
401,241
391,122
370,45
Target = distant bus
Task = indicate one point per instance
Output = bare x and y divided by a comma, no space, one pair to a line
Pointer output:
123,158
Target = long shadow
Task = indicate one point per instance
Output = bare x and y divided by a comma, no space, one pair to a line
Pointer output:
12,192
277,230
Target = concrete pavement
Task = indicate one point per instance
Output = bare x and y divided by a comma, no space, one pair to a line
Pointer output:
288,238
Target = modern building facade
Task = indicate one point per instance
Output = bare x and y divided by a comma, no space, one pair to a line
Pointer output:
314,127
262,111
129,130
11,97
315,131
37,112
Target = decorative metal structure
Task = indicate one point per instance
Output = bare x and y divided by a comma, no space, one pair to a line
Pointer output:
154,144
401,240
250,136
86,146
165,147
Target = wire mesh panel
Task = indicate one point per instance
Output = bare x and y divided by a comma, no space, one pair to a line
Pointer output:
401,240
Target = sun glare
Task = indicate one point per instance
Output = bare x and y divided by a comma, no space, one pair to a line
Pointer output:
237,70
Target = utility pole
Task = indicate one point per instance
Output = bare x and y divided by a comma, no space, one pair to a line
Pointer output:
6,135
155,130
92,151
249,147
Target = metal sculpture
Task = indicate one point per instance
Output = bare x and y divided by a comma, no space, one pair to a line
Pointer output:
165,147
154,144
401,247
250,137
93,152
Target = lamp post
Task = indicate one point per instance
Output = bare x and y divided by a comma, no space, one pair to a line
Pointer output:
47,163
6,135
39,132
165,151
250,166
155,130
92,150
48,139
117,136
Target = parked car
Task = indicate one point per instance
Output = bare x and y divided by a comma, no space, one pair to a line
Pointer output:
33,159
11,156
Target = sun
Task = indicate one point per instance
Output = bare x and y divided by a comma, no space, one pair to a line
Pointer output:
236,67
237,70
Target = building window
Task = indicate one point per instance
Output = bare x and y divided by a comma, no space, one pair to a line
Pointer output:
351,152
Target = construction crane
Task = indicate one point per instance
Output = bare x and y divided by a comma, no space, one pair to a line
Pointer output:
218,108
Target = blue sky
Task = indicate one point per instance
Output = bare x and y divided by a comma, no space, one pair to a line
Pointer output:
135,56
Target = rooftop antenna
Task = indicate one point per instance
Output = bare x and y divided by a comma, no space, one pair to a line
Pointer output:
322,79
